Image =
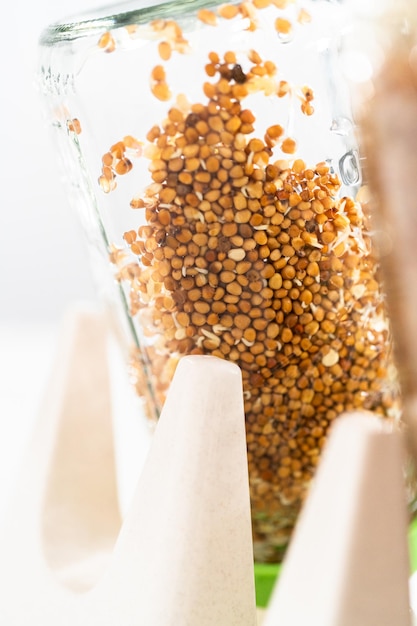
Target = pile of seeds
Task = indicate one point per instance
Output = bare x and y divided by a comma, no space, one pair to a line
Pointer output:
259,261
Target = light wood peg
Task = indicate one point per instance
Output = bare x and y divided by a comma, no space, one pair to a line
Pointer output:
347,564
182,555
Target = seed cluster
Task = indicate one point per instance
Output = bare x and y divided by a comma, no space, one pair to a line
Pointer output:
247,256
255,260
118,161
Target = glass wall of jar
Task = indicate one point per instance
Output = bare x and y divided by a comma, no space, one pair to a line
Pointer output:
210,149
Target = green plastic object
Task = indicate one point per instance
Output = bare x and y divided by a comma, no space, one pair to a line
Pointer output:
412,541
265,576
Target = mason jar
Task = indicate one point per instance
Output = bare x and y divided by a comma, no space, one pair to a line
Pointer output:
210,150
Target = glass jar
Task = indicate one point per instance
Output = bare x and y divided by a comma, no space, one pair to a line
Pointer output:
211,152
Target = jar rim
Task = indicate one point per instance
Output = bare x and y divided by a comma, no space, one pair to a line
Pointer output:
117,16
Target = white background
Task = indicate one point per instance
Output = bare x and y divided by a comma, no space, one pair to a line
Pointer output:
43,261
42,253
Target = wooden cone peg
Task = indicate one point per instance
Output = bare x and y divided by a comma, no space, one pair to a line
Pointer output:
187,542
347,564
183,554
